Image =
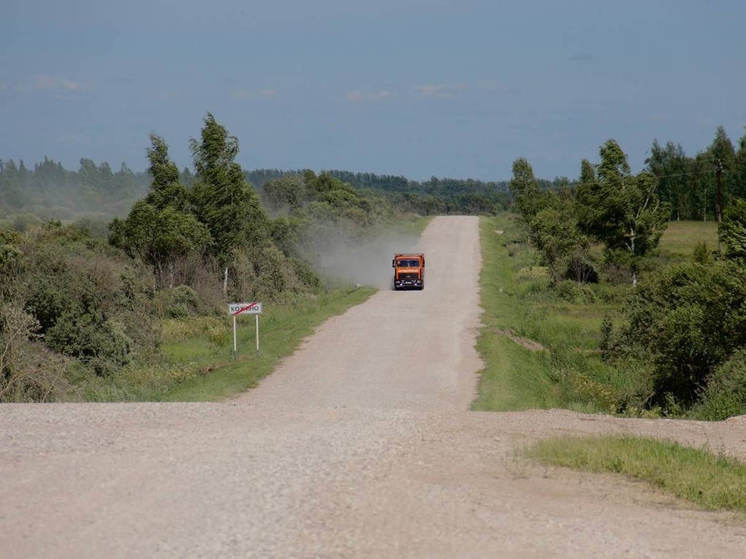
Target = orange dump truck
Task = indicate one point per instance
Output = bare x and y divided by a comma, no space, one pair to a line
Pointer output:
409,270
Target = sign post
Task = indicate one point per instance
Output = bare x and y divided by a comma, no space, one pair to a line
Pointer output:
234,309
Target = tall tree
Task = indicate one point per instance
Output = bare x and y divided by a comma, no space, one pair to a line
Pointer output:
160,229
621,210
723,158
738,176
224,201
669,165
527,197
732,231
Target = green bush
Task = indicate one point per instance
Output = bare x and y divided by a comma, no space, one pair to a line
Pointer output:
725,394
178,302
688,318
90,301
574,292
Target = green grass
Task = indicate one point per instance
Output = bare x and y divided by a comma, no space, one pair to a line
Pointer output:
515,296
711,481
681,237
197,354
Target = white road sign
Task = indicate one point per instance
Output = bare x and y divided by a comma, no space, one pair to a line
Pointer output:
245,308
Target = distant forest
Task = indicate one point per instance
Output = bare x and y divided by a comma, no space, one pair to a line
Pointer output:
686,183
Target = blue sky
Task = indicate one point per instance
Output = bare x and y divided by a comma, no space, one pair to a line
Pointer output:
412,87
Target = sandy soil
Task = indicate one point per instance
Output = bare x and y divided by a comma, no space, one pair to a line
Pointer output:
359,445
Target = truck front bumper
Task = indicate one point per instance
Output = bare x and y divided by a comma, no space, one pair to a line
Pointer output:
408,283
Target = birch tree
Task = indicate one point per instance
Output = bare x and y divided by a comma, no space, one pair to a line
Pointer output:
621,210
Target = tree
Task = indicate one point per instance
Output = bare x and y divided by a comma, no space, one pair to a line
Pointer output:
165,190
738,176
160,229
224,201
723,157
621,210
553,231
669,165
528,199
732,231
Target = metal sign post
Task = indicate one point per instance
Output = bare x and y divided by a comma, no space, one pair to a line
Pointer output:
234,309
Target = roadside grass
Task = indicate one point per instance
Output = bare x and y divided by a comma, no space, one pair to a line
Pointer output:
566,322
714,482
197,354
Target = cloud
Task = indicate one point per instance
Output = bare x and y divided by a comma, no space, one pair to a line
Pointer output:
443,90
358,95
47,82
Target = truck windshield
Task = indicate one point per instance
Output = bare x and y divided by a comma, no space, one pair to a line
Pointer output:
408,263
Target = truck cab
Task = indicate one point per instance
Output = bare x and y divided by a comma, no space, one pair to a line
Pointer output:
409,271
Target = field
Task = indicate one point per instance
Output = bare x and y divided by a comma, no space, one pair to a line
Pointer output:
681,237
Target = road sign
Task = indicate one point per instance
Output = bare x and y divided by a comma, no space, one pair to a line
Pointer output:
254,307
235,309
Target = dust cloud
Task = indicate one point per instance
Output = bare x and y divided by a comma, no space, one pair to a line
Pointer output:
367,261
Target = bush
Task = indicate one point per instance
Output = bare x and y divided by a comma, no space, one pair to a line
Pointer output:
725,394
573,292
90,302
178,302
688,319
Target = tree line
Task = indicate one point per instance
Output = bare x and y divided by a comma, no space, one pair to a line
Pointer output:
689,185
50,190
436,196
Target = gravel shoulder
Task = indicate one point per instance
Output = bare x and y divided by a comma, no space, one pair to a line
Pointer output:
360,444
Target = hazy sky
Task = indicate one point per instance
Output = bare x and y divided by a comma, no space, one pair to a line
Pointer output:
412,87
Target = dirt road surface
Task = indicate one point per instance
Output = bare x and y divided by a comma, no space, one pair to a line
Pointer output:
359,445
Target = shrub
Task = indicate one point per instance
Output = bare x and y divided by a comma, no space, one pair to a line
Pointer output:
689,319
178,302
90,301
725,394
573,292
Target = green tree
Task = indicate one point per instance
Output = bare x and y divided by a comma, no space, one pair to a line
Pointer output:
621,210
528,199
224,201
553,231
669,165
159,229
732,230
166,188
723,159
738,176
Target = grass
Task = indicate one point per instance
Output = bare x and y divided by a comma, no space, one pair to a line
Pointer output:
565,320
681,237
197,354
714,482
515,296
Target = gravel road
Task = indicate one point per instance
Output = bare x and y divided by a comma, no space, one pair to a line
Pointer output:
359,445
